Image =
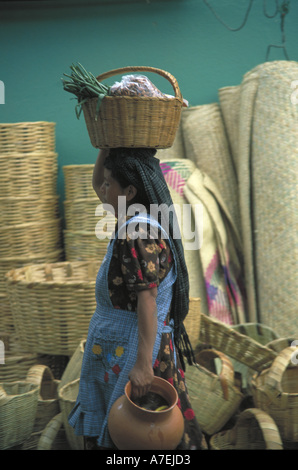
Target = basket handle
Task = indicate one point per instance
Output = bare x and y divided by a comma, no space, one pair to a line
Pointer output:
277,369
161,72
38,374
226,374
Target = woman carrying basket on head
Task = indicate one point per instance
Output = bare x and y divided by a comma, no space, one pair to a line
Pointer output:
142,294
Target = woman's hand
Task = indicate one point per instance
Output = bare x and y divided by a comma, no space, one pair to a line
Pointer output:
141,375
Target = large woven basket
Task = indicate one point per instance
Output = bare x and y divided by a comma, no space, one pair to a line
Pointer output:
17,362
73,368
6,319
254,430
18,405
27,137
214,396
32,240
240,347
23,210
78,181
67,396
85,214
31,174
275,390
134,121
84,246
52,305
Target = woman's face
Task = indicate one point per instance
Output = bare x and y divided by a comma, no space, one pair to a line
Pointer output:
110,191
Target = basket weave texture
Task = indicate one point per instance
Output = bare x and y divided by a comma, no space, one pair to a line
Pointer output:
254,430
275,391
134,121
67,396
25,137
214,397
18,405
52,305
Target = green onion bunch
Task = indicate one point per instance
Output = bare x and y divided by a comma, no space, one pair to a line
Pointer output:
84,86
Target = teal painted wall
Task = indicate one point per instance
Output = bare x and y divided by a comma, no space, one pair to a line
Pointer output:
180,36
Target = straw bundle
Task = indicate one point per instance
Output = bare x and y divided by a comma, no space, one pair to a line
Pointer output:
214,397
18,405
275,391
206,144
67,396
268,133
52,305
254,430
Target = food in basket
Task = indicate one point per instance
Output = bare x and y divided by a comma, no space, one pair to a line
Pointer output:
151,401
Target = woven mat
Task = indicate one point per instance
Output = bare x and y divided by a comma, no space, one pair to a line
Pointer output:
176,173
206,144
268,169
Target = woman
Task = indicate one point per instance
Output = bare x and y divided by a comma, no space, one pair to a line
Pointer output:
142,296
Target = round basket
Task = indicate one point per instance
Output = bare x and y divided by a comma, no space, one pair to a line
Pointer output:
81,214
28,175
78,182
275,391
32,240
214,396
24,210
134,121
48,402
67,396
52,305
18,405
27,137
80,246
254,430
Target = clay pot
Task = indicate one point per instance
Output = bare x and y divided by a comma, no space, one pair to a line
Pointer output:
134,428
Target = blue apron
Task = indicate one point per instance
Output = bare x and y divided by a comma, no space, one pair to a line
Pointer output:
111,349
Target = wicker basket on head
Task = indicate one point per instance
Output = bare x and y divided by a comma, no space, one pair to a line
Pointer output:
52,305
275,390
134,121
67,396
254,430
214,397
18,405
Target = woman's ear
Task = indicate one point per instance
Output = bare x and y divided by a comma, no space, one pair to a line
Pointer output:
131,192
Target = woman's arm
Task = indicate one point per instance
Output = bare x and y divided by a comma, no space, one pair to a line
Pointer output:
141,375
97,178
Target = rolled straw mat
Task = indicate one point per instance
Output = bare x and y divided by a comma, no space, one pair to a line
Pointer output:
268,169
206,144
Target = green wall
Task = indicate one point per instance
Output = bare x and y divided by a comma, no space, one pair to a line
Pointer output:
181,36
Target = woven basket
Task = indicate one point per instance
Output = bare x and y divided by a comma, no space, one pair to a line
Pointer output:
73,368
134,121
28,175
254,430
193,320
27,137
81,214
48,403
78,182
281,343
17,361
6,264
53,436
84,246
214,397
67,396
32,240
6,318
240,347
275,390
24,210
18,405
52,305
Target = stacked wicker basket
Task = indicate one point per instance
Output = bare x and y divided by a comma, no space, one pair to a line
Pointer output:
30,229
83,238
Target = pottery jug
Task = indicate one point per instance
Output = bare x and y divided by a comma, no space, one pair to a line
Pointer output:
132,427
